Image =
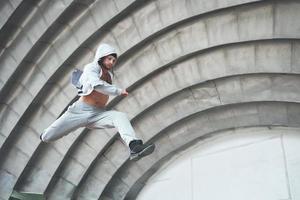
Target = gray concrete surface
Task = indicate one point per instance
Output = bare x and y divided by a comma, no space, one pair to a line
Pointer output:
193,68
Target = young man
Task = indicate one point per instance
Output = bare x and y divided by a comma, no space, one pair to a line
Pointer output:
94,86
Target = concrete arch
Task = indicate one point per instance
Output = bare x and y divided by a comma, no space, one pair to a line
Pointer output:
41,25
41,74
276,47
264,43
29,96
11,18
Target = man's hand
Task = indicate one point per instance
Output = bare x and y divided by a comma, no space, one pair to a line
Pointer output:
124,93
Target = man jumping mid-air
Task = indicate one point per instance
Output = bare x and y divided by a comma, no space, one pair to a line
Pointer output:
94,86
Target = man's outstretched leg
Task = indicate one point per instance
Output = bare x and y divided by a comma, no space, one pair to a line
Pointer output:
119,120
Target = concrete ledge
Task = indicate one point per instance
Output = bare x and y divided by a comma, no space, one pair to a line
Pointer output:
25,196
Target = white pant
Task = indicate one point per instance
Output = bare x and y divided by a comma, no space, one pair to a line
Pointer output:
80,114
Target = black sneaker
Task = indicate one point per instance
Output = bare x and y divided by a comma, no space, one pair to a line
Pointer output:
139,150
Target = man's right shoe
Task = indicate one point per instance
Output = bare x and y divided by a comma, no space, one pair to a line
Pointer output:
139,150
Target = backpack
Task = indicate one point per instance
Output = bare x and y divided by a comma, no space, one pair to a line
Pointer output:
76,74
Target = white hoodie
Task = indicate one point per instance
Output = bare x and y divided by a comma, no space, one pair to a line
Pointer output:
92,72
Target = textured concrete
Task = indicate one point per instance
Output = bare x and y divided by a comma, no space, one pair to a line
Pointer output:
219,163
194,68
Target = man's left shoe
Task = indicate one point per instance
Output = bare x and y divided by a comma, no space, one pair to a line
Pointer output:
139,150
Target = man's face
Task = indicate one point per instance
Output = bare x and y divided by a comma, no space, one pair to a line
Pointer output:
109,61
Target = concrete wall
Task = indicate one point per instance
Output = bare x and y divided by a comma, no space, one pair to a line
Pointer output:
192,67
246,163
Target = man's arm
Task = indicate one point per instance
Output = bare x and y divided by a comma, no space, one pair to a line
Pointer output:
99,85
108,89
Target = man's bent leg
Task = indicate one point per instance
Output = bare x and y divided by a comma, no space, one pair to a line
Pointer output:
57,129
65,124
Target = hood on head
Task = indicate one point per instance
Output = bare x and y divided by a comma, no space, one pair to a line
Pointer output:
104,50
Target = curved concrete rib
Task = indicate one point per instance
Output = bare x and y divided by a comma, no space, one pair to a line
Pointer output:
12,15
40,28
